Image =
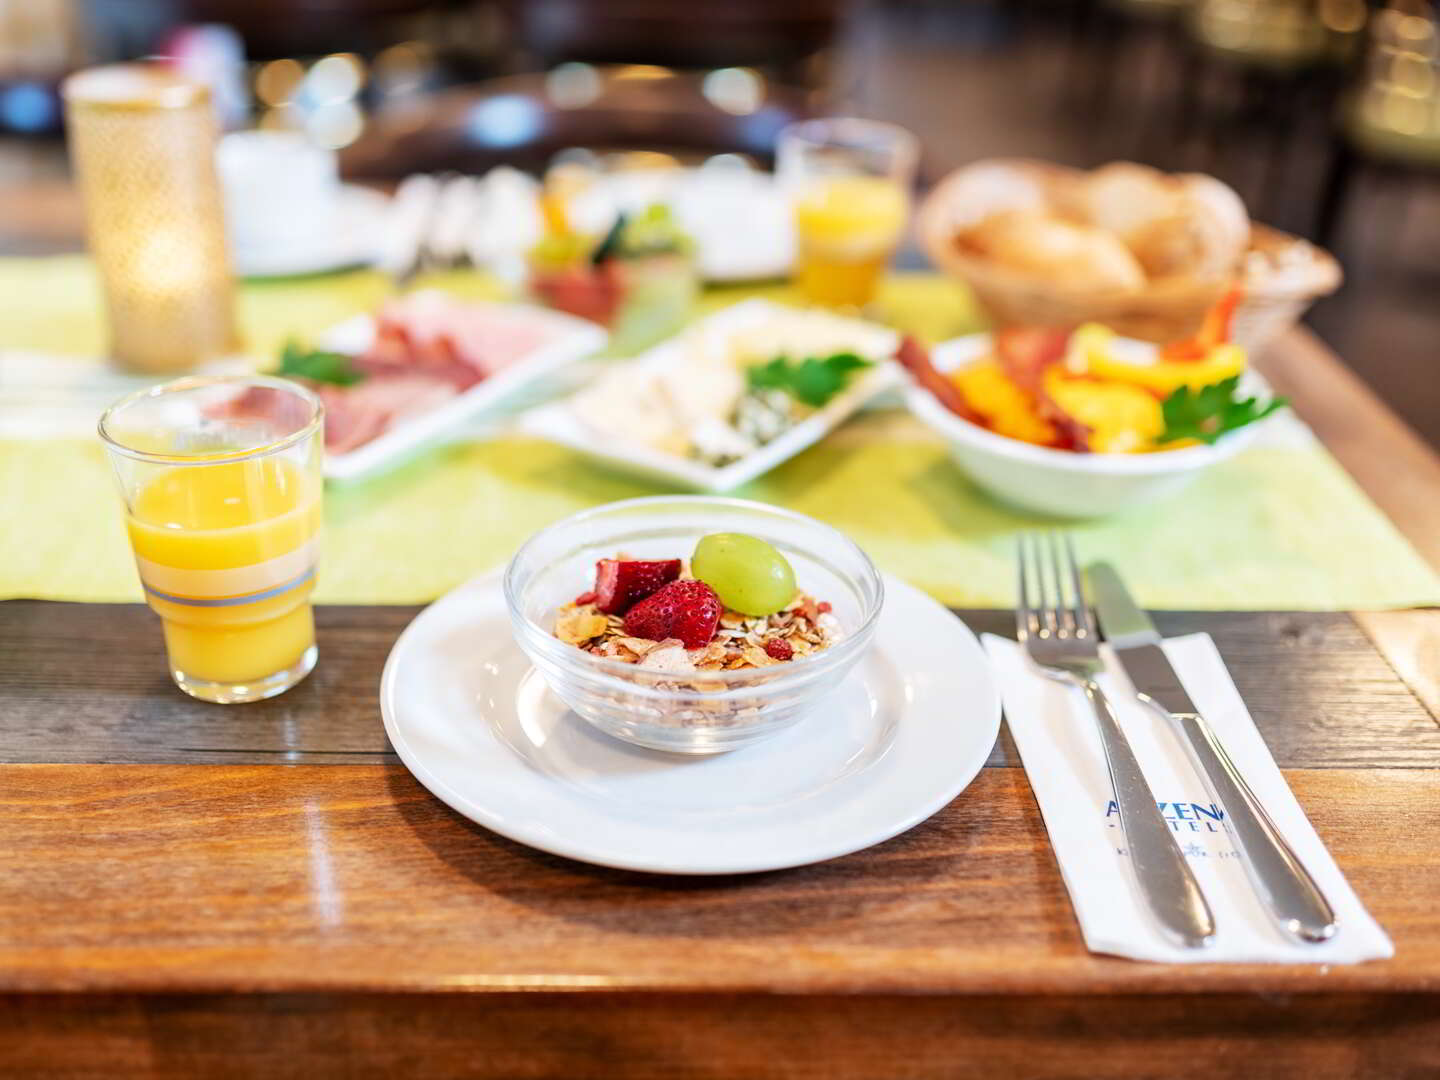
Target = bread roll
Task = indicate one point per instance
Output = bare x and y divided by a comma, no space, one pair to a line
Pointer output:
1205,237
1175,226
1035,243
1127,199
987,188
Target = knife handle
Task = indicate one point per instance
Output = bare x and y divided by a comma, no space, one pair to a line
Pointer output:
1167,884
1282,881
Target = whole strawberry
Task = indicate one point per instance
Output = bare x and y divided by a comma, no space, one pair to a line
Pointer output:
619,584
688,610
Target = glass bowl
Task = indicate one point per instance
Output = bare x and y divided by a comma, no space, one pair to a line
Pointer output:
703,712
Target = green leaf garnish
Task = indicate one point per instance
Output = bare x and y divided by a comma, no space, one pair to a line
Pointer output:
814,380
609,247
651,231
317,365
1212,411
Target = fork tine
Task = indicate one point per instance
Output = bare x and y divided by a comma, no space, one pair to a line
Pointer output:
1084,617
1025,623
1046,582
1064,614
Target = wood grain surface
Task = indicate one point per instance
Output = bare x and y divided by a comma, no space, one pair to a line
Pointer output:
1410,642
254,921
172,904
312,878
724,1037
1322,695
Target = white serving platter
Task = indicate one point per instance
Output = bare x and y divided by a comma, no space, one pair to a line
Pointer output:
559,423
576,339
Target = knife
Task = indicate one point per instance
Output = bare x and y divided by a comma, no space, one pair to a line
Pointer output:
1281,881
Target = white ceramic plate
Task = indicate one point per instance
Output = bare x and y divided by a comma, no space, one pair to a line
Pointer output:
896,741
575,340
558,423
359,219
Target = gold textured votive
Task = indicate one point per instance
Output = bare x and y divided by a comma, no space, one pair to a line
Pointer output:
142,139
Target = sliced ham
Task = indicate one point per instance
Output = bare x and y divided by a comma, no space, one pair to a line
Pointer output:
428,347
395,353
445,333
1025,354
356,414
348,423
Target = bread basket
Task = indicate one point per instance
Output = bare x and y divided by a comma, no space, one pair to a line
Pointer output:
1281,274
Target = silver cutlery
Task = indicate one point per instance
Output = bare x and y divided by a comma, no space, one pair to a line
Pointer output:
1283,884
412,211
457,206
1059,636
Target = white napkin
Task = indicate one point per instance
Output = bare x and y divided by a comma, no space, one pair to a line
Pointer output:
1055,730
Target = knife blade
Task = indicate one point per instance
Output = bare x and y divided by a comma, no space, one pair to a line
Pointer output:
1282,882
1136,641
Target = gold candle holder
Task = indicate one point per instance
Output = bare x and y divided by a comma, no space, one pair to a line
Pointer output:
142,140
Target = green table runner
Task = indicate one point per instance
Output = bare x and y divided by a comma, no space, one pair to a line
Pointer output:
1278,527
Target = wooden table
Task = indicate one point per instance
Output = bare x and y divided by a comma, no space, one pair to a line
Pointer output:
187,890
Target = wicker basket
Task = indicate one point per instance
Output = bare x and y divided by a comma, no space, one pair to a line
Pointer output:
1282,275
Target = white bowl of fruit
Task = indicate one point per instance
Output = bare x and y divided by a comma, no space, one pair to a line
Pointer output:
1082,424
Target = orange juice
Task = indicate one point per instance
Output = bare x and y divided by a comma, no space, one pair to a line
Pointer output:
848,227
226,552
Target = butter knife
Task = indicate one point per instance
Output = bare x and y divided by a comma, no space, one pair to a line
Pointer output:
1281,881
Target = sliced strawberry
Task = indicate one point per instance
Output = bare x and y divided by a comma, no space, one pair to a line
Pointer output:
621,583
585,598
688,610
779,649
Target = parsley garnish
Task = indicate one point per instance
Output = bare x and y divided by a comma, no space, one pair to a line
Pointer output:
1212,411
298,362
814,380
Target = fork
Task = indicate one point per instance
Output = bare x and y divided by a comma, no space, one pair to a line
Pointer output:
1060,639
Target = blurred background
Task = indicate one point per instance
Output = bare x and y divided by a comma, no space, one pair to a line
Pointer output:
1323,114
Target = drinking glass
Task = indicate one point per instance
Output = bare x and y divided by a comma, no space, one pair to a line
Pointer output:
221,478
849,181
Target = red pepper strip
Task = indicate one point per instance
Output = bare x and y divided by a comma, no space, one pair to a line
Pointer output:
1214,330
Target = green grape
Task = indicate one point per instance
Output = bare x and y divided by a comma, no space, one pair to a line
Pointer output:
748,574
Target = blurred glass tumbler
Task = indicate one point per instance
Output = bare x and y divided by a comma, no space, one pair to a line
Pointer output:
849,181
221,477
142,139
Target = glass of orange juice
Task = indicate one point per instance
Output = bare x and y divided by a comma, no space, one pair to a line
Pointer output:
222,487
849,181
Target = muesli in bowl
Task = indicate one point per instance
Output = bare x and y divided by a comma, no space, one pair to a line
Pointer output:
719,622
675,623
